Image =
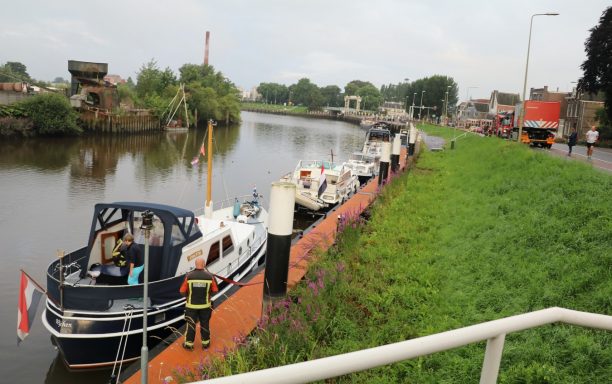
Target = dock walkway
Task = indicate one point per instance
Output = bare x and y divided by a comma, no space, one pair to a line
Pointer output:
238,315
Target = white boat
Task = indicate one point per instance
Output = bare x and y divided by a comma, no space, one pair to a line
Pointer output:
375,137
362,165
322,184
96,319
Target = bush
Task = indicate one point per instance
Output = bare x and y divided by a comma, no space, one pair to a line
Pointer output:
51,114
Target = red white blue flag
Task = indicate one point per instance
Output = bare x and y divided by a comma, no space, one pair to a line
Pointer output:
29,297
322,180
195,161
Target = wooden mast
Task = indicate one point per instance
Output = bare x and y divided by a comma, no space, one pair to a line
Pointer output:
208,206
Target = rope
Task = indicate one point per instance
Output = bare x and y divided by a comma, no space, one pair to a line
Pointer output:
128,322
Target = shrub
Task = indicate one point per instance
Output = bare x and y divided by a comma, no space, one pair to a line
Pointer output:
51,114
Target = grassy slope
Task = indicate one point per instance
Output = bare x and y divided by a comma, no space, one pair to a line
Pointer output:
488,230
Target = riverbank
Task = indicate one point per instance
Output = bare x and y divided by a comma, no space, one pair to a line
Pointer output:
488,230
298,112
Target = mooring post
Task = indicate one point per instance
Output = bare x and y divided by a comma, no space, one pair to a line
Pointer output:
395,152
282,201
383,172
412,140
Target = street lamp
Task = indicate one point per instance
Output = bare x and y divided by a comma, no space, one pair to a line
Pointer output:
412,110
446,105
421,109
522,115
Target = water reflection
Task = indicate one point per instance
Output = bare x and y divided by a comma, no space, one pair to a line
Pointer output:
48,188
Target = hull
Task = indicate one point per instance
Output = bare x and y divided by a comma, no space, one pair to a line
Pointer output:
91,339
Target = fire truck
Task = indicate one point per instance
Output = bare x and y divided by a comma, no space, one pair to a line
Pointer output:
540,123
504,122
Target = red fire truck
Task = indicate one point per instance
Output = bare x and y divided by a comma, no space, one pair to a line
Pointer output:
504,122
540,123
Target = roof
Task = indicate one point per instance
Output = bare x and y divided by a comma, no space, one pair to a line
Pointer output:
508,98
141,206
481,107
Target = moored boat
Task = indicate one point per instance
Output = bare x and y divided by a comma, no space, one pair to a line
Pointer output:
362,165
321,184
96,319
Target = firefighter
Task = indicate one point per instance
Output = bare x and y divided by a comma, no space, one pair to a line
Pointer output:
197,287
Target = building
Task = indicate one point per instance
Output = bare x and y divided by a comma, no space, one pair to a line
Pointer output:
393,110
581,111
502,102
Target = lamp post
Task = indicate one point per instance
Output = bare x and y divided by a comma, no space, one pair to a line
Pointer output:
412,110
147,225
421,109
446,105
522,115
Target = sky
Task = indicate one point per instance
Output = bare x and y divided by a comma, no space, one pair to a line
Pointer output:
481,44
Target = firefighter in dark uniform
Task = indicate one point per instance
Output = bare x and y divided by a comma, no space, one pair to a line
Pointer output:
198,286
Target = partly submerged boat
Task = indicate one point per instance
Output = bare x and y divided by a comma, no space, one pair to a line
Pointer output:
321,184
179,100
362,165
96,319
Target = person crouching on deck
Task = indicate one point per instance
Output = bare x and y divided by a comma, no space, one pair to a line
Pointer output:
197,287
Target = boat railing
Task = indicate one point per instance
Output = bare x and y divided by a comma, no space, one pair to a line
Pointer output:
231,201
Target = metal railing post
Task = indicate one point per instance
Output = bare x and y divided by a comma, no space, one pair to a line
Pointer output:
492,359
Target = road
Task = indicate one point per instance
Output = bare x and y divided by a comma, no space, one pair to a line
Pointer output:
602,157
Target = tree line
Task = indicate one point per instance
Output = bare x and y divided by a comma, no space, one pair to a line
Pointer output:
308,94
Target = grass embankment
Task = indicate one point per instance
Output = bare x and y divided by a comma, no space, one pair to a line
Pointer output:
274,108
488,230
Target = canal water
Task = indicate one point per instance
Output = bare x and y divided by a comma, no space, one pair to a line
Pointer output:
48,188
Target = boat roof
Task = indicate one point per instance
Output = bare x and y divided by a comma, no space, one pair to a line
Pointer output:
142,206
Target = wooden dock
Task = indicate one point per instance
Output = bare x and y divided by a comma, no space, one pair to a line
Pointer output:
238,315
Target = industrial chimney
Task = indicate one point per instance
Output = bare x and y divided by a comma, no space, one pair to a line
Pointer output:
206,48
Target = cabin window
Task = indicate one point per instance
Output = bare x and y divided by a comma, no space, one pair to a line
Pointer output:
213,253
228,245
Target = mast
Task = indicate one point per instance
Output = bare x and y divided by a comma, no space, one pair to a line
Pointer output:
185,105
208,209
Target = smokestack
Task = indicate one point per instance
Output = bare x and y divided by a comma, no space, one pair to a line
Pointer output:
206,48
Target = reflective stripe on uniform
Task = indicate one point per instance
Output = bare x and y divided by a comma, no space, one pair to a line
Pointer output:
198,285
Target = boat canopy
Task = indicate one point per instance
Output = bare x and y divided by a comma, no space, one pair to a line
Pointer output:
173,229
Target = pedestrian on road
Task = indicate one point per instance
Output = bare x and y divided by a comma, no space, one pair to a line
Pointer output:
591,138
197,287
571,141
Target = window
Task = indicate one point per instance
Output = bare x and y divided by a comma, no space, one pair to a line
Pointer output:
213,253
228,245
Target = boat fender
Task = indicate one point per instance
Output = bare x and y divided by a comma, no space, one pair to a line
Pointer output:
236,209
242,219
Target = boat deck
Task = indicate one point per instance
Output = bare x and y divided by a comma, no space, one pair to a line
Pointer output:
239,314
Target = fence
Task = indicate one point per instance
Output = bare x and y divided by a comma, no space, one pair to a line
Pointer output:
493,331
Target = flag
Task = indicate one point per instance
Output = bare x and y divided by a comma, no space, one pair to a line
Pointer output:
29,297
322,181
202,151
195,161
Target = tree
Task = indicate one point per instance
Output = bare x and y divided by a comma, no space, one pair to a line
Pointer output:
13,71
210,92
597,68
51,113
371,98
151,80
307,94
332,96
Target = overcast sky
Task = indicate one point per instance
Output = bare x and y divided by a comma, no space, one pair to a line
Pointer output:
480,43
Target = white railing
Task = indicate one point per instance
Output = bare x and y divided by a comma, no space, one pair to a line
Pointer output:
493,331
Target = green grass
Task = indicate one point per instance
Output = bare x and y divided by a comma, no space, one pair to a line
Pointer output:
488,230
274,108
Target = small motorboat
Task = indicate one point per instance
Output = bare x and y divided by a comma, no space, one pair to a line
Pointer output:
96,319
322,184
362,165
